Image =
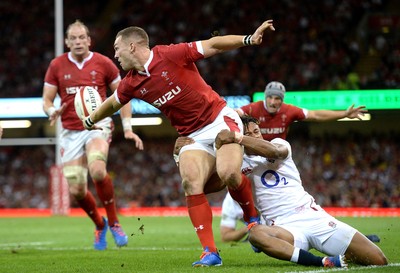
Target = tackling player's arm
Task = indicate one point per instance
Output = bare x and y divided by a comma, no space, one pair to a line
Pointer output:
253,145
49,95
219,44
327,115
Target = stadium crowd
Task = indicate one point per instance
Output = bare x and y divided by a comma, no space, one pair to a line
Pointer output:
317,44
359,171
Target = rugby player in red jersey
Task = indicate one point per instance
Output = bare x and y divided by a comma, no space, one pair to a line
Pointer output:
275,116
82,150
166,77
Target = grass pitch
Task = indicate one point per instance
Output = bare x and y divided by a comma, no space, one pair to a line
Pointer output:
156,244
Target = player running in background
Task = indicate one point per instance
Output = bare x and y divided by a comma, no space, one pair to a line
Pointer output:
83,150
294,222
275,116
167,78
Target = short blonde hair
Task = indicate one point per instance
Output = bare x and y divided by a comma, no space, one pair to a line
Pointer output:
138,34
79,24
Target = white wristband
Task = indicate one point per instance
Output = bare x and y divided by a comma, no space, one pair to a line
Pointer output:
126,124
50,111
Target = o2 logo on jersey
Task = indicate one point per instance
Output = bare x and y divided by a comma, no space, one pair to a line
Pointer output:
268,175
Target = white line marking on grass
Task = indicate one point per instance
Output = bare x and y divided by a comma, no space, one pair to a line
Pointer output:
116,248
41,246
20,244
361,268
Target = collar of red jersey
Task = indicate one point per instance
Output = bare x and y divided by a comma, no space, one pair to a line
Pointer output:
146,65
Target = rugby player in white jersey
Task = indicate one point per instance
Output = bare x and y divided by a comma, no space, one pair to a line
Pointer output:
294,222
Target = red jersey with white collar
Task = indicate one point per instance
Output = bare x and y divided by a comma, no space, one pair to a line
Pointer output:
68,76
173,84
277,124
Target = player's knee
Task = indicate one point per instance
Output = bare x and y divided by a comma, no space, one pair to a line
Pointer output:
192,187
230,178
97,165
75,175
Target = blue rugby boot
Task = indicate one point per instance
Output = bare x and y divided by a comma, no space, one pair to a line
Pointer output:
207,259
120,238
100,242
336,261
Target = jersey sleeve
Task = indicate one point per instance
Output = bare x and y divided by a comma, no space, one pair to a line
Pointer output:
285,143
51,74
296,112
182,53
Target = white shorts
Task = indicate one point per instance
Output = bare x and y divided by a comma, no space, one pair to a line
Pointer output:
318,229
205,137
73,143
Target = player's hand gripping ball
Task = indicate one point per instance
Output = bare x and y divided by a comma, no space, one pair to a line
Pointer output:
87,99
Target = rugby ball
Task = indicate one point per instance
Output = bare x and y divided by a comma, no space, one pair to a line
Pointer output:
87,99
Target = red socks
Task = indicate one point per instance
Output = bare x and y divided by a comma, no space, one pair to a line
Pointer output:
88,204
244,196
201,216
105,191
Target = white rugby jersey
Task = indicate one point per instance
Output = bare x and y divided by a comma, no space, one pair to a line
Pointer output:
277,187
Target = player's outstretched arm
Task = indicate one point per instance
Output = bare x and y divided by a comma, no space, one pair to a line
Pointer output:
219,44
357,112
328,115
256,38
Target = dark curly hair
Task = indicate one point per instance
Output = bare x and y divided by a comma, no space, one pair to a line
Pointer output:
246,119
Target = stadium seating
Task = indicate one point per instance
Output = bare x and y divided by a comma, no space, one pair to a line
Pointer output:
316,46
